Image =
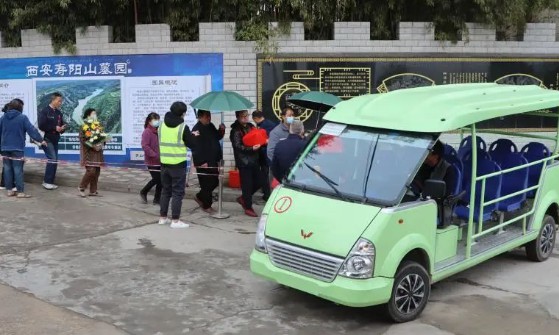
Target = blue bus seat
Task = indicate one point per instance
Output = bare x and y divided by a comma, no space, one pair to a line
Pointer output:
513,182
534,151
492,189
500,148
466,146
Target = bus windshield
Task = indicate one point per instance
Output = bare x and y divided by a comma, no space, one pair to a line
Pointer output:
360,164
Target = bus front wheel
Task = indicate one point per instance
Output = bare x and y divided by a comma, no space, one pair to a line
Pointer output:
542,247
410,292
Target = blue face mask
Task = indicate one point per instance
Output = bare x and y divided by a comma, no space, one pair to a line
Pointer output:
289,119
155,123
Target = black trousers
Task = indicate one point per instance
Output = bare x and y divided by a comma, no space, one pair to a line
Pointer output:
208,182
173,180
265,182
155,172
251,179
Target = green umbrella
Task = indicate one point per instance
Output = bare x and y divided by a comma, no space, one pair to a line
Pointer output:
221,101
315,100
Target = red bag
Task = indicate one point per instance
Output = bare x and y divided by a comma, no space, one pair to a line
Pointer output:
254,137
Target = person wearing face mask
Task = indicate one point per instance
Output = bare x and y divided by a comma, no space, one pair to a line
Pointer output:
247,160
206,157
92,159
150,144
174,138
280,132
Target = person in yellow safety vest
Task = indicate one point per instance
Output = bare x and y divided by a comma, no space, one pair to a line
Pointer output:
174,138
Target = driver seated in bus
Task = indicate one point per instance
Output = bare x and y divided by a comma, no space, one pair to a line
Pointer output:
435,167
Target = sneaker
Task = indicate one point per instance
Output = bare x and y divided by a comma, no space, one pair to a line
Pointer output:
49,186
23,196
163,221
251,212
2,188
11,193
179,224
14,189
81,192
241,202
144,197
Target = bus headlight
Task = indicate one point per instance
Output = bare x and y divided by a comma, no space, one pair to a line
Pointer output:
360,262
260,243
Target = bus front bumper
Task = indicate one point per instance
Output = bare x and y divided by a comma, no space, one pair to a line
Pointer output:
343,291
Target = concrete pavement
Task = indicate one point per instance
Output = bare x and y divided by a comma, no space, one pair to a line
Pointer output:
113,178
105,262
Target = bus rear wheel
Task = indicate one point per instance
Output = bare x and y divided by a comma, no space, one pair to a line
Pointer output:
542,247
410,292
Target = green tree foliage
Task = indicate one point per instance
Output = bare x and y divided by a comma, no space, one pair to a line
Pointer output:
60,18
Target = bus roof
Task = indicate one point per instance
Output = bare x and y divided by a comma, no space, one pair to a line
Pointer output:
441,108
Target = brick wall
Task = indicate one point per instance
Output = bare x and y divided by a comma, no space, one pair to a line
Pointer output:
240,58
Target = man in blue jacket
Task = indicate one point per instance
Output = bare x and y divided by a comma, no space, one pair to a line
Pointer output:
288,150
13,127
51,121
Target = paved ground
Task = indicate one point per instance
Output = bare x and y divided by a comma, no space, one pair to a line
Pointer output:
100,266
118,179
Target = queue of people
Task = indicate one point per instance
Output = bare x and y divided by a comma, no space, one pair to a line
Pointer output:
165,144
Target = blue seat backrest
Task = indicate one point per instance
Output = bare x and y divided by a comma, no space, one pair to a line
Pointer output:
449,151
457,180
492,185
466,146
500,148
535,151
514,181
454,160
480,155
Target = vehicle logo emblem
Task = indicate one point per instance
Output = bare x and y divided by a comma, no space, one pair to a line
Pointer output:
283,204
307,235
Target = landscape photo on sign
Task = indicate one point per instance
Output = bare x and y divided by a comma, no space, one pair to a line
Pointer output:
104,95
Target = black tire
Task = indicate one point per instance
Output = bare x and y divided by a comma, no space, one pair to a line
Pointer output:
542,247
406,304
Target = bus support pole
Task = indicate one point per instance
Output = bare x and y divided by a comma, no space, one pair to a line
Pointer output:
473,183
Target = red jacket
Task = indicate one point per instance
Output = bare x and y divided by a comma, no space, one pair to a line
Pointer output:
150,144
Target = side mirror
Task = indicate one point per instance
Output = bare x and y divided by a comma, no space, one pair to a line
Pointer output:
434,189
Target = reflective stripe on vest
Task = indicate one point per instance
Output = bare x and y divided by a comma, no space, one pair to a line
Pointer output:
171,147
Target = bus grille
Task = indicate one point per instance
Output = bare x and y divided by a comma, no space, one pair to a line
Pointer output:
303,261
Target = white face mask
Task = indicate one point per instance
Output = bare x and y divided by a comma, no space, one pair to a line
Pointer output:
93,116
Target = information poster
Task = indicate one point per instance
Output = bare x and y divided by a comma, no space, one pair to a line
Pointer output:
351,77
123,89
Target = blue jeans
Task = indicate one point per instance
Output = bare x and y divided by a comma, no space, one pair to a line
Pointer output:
51,151
13,170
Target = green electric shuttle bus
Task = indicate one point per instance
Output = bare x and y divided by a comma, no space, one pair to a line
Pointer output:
350,225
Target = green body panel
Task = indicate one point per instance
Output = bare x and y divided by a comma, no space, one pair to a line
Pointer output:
395,232
344,291
335,224
436,109
548,194
475,260
447,243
